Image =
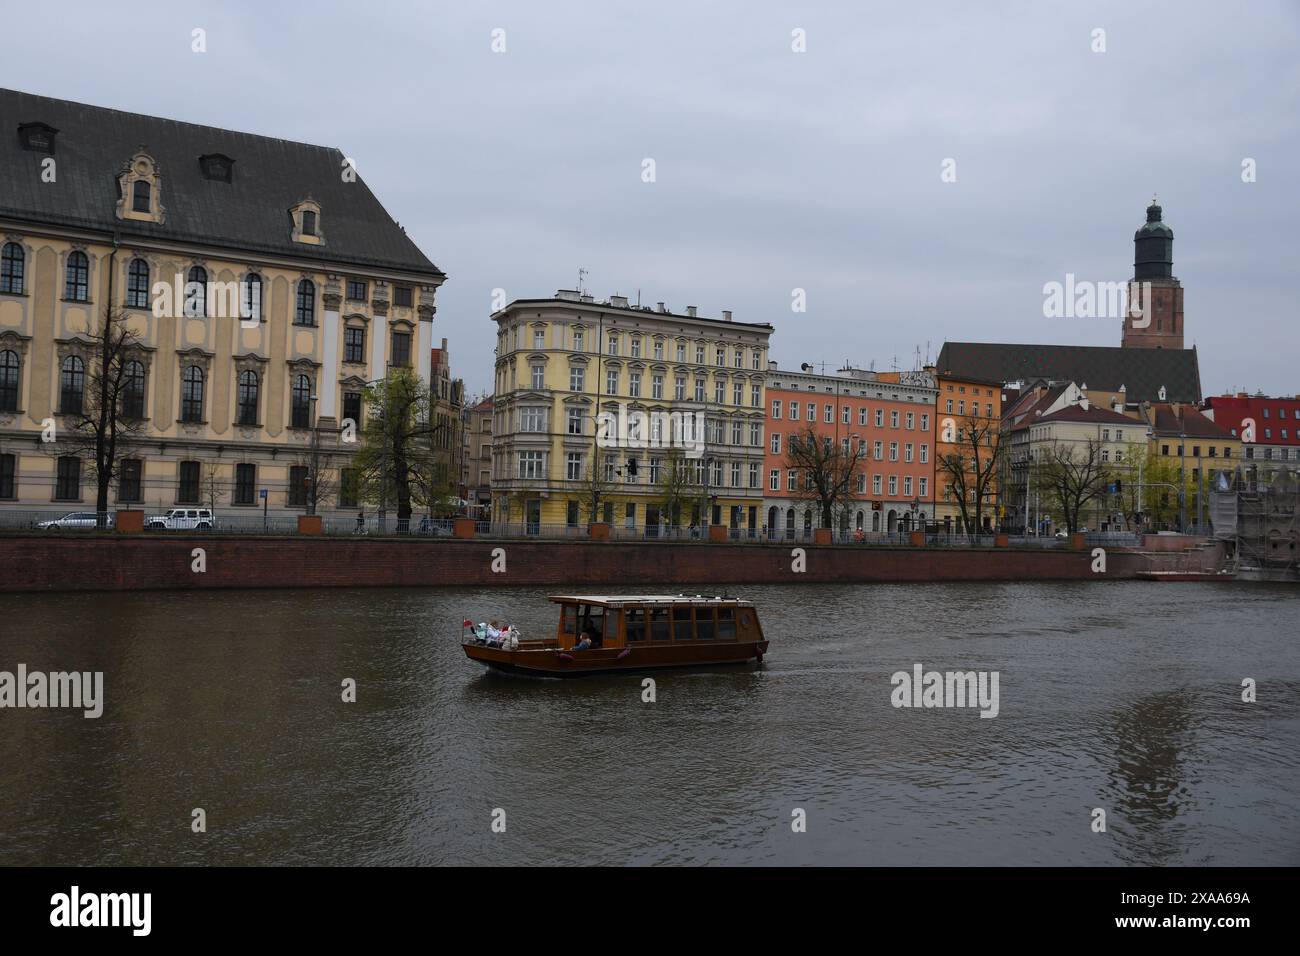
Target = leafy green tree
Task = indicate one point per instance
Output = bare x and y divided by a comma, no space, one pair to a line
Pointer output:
396,461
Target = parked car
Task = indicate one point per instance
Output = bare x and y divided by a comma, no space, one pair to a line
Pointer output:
77,519
182,519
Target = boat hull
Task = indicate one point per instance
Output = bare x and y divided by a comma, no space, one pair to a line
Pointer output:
551,662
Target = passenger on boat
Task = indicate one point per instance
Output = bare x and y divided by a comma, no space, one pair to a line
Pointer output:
591,633
584,639
493,634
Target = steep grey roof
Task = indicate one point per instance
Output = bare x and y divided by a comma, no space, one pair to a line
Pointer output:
251,212
1141,371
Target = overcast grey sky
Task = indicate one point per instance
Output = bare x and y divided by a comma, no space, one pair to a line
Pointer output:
775,170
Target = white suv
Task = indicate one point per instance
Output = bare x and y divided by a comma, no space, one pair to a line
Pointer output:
185,519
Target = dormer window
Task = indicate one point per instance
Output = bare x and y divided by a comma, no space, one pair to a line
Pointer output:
306,222
217,167
37,137
139,189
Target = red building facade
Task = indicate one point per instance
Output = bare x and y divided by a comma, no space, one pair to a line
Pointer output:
889,425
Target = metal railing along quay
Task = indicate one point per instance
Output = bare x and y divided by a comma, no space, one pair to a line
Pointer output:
340,524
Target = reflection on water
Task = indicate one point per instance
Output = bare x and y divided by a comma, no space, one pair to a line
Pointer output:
232,702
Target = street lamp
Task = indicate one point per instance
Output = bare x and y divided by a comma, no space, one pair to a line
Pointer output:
1182,482
313,474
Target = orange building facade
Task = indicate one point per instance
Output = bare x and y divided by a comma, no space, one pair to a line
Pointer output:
888,424
968,403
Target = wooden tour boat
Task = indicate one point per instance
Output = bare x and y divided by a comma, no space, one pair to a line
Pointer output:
633,632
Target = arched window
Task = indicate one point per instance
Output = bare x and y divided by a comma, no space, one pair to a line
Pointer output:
252,310
137,284
301,402
196,292
12,266
248,389
140,191
306,311
192,394
133,390
72,385
8,381
76,284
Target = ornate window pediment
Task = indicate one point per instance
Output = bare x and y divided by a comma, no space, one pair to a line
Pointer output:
139,189
250,361
13,342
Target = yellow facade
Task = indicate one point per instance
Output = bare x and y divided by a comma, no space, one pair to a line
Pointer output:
45,329
561,361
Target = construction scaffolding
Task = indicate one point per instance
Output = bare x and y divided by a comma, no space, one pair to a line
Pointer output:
1259,514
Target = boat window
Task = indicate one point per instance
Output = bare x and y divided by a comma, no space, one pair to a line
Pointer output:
704,623
593,617
568,618
726,623
634,618
659,624
681,624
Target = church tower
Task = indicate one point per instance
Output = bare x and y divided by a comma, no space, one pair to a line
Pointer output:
1161,327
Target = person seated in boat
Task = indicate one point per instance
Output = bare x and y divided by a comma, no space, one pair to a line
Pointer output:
591,632
585,639
493,635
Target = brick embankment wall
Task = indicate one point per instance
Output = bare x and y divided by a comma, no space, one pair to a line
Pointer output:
149,562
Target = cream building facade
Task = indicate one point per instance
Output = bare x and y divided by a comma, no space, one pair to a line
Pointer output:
264,283
567,364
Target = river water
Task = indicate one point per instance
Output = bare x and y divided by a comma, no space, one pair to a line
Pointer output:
1122,696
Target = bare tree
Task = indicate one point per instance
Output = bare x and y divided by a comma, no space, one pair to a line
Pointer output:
322,478
1072,475
677,487
101,430
210,485
970,470
594,491
829,472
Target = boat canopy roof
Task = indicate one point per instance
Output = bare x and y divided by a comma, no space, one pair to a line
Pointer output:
642,600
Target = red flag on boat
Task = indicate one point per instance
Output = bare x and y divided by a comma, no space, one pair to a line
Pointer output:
467,624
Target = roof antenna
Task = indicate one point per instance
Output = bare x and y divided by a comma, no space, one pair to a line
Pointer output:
582,275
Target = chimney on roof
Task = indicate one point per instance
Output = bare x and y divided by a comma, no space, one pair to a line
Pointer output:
726,315
618,301
690,310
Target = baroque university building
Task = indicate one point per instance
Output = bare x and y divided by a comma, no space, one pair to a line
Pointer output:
104,211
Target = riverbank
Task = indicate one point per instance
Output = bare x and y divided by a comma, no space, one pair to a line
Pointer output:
112,562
